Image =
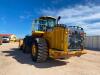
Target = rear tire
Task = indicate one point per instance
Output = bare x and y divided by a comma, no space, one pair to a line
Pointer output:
21,47
27,44
26,49
41,53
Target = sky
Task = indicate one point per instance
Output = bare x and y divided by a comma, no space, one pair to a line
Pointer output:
16,16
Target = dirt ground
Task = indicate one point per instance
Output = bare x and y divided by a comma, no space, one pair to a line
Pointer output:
14,62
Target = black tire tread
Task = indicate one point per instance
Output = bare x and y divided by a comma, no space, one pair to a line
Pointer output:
42,53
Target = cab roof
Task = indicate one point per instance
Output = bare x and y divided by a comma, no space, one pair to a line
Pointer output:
47,17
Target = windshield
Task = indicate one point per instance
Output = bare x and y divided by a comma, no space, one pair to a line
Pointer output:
5,37
43,22
42,25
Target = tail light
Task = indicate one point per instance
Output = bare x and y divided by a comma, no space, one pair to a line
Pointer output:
81,33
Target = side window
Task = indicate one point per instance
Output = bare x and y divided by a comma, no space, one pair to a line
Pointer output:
35,25
51,22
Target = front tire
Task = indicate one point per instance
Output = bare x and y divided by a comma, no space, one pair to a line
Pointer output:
39,50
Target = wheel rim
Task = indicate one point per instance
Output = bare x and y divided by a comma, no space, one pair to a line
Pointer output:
33,50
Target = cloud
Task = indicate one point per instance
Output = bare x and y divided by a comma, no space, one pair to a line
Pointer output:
22,17
56,1
26,15
86,16
3,20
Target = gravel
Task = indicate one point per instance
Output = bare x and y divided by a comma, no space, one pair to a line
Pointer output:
14,62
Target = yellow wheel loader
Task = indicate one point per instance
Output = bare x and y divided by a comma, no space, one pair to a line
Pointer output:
48,39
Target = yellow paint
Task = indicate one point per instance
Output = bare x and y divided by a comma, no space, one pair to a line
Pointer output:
57,54
33,50
57,39
37,33
20,42
58,43
76,53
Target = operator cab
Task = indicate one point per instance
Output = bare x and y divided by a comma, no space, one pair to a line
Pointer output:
44,23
